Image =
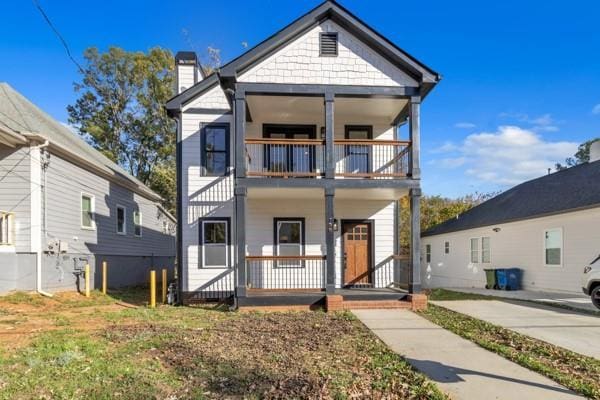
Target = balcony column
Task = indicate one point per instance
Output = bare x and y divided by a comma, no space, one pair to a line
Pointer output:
414,275
239,112
240,240
329,240
329,136
414,118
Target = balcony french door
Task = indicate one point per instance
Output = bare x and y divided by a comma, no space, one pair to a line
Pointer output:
290,158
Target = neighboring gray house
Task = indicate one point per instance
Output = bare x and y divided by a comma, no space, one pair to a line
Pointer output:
63,204
549,227
291,164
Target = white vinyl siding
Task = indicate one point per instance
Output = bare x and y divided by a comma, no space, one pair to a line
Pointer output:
553,243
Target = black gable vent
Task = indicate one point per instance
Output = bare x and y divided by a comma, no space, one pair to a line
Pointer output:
328,44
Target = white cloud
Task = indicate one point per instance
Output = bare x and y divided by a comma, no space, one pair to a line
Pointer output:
451,162
512,155
447,147
465,125
542,123
596,109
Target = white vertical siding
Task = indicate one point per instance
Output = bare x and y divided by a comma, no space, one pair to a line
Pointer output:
517,244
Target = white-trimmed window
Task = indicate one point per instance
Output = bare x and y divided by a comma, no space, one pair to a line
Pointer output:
553,243
289,240
446,247
215,243
7,221
486,254
474,250
137,223
428,253
121,220
87,211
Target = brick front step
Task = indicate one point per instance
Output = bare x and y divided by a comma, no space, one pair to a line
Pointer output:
375,304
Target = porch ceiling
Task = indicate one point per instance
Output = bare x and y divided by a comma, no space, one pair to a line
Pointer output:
347,108
318,193
371,194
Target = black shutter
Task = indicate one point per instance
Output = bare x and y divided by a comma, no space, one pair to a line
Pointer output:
328,44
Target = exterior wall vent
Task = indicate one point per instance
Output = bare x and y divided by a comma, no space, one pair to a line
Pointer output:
328,44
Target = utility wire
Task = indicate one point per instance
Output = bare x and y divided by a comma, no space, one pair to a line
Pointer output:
37,4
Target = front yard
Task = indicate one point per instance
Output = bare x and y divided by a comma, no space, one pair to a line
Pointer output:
104,347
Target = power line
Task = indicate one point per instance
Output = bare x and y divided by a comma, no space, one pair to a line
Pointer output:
57,33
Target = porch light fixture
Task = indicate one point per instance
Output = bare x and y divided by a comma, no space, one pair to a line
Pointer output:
332,225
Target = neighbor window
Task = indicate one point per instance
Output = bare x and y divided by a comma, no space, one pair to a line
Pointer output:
215,145
475,250
6,228
428,253
553,247
137,223
87,211
215,241
447,247
289,236
121,220
485,250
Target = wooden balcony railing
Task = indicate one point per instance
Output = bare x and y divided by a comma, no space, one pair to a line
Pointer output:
285,272
306,158
372,158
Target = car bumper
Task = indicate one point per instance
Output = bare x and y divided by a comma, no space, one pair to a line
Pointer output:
585,291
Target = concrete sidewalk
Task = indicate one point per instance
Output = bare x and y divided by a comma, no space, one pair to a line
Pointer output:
459,367
574,331
574,300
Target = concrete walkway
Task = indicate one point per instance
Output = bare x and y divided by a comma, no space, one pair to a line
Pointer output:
570,330
459,367
575,300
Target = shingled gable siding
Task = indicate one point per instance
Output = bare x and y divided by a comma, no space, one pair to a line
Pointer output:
15,189
299,62
517,244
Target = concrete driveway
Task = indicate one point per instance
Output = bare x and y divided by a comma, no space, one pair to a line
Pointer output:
570,330
574,300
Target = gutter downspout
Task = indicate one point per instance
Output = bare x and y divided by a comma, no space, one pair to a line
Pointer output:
39,288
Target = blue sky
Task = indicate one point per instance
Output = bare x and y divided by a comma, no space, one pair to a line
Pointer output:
521,78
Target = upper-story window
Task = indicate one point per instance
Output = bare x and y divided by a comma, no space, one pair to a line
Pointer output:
328,44
87,212
6,228
121,220
553,243
215,149
283,158
358,156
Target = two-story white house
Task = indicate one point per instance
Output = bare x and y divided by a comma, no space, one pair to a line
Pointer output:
291,165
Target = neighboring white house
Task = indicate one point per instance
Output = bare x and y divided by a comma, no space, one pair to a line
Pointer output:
63,204
291,164
549,227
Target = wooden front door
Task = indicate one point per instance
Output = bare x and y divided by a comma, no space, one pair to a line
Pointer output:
357,253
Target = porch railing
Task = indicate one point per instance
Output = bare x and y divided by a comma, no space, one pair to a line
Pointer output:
392,272
306,158
285,157
285,272
372,158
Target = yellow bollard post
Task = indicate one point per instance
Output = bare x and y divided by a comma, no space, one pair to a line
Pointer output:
87,280
104,277
164,286
152,289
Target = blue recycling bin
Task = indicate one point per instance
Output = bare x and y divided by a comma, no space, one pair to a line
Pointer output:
513,278
501,278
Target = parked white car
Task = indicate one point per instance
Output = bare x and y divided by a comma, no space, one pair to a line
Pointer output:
591,281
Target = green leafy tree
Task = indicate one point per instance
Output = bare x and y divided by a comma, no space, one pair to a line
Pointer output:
120,112
434,211
581,156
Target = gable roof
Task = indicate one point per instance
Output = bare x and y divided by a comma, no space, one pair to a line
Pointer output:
575,188
21,118
329,9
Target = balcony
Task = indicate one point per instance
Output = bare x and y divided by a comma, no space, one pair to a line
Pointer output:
306,158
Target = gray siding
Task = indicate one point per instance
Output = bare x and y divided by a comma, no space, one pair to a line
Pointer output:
15,190
66,183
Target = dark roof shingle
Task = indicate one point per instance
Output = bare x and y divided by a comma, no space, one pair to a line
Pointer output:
571,189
